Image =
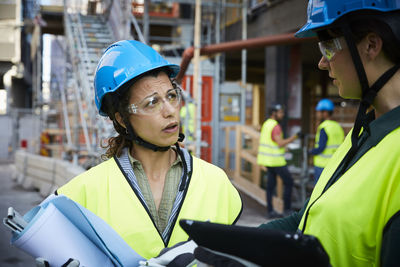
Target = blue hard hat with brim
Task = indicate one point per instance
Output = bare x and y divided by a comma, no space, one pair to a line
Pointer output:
124,61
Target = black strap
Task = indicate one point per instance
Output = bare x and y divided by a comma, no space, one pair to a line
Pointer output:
368,93
185,168
138,140
181,137
351,43
366,101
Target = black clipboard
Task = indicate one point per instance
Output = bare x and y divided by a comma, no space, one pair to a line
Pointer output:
264,247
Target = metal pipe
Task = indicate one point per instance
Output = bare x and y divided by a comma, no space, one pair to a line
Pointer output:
197,78
216,90
244,64
146,21
278,39
244,37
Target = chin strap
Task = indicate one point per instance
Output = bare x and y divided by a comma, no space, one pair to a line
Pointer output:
368,93
130,135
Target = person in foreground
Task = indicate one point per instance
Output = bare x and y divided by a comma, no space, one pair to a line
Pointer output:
354,209
148,183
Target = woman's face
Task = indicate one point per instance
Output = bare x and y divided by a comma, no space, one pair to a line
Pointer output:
341,69
162,127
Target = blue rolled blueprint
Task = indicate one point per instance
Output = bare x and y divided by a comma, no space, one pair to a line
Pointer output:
59,229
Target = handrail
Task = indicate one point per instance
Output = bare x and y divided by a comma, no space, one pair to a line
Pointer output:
137,28
76,70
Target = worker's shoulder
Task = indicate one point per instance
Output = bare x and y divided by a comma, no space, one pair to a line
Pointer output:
390,139
99,170
206,167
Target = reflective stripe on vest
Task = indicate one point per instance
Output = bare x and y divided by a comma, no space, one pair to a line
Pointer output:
335,136
105,190
350,216
269,153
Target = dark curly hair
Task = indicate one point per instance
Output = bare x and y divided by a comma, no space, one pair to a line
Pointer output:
118,102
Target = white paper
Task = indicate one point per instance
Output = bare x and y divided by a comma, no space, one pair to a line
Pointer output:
54,238
59,229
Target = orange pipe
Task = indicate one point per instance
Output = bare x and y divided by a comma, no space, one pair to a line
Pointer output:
279,39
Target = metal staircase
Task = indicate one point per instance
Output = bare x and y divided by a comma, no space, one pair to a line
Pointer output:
87,37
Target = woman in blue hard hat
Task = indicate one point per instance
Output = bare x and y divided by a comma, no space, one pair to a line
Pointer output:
329,136
354,209
148,182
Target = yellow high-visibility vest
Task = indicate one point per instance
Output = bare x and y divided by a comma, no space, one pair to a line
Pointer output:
105,191
350,217
335,138
189,116
269,153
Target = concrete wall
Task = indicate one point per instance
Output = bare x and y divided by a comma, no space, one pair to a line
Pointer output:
43,173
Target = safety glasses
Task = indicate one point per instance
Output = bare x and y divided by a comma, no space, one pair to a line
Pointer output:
330,47
154,104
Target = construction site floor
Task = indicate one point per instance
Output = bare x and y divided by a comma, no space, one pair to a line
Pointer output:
12,194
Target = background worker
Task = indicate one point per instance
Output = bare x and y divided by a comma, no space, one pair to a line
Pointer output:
187,117
271,154
328,138
148,183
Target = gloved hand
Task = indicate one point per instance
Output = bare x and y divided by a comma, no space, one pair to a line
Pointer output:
219,259
40,262
179,255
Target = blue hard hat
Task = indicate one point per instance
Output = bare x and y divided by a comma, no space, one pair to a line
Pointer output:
122,62
325,104
322,13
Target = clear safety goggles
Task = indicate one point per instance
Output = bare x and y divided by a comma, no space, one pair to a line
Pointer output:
155,103
330,47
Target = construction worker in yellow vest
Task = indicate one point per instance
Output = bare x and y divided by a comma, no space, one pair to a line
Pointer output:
354,209
328,138
187,118
271,154
147,183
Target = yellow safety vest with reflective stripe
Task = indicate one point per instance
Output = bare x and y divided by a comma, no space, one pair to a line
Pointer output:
335,137
269,153
350,217
105,191
187,118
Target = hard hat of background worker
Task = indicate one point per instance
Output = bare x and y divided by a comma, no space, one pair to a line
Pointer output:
325,104
122,62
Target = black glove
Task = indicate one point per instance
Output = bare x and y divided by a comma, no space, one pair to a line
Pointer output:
218,259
